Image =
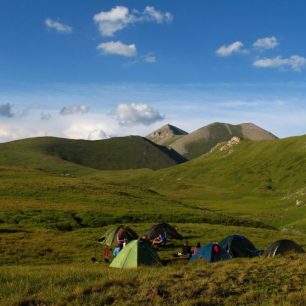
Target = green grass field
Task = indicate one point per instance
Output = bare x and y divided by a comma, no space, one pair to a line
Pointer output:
50,222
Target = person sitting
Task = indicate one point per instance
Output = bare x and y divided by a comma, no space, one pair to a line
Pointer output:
186,250
196,249
120,238
160,240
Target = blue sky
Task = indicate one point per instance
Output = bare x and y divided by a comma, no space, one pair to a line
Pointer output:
95,69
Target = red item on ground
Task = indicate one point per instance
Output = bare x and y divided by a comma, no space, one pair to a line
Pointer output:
106,252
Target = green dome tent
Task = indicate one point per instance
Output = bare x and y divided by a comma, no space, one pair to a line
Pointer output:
239,246
134,254
281,247
163,229
110,235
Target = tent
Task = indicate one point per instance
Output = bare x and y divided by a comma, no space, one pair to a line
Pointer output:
239,246
211,252
110,235
163,229
134,254
281,247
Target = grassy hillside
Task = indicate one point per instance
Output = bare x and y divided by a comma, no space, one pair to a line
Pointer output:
49,224
276,166
263,179
254,183
81,156
32,153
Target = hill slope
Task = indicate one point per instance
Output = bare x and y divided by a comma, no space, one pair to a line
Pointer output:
204,139
58,154
263,179
166,135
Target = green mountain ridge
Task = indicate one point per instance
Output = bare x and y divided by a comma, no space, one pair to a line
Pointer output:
68,155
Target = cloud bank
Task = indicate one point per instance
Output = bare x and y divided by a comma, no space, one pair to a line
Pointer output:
295,62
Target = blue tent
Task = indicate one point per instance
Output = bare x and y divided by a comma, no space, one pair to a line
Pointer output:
211,252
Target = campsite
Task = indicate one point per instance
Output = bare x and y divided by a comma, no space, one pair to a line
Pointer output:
50,247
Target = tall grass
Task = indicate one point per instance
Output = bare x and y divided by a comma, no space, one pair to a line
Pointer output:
278,281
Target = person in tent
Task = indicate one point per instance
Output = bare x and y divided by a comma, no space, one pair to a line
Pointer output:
120,238
196,249
186,250
160,240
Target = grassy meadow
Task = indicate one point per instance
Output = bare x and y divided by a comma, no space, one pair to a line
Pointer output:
50,221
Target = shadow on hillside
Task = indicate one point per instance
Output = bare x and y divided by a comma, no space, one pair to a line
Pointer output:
12,231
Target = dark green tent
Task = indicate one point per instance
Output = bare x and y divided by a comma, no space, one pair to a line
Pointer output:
281,247
134,254
110,235
163,229
239,246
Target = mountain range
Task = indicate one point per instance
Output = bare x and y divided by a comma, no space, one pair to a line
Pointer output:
165,147
205,138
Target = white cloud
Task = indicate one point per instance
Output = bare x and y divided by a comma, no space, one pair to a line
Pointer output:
97,134
74,109
114,20
266,43
119,17
295,62
151,14
84,130
92,127
134,114
231,49
57,26
118,48
149,59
